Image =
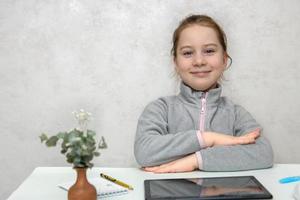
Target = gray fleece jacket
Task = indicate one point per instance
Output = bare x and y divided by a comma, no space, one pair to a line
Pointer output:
168,130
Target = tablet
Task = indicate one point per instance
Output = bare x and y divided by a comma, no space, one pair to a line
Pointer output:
236,187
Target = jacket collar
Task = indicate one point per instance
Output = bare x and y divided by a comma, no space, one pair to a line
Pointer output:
192,96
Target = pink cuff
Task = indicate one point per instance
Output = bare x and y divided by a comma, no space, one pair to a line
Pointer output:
199,159
200,140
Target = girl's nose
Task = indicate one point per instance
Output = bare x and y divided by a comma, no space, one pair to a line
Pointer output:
199,60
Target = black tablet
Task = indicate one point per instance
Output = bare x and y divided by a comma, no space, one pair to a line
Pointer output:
237,187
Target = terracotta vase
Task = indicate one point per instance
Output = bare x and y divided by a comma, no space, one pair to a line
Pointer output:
82,189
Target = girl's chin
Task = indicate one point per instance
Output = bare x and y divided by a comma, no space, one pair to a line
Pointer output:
203,86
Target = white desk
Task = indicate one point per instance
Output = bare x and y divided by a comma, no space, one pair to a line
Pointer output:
42,183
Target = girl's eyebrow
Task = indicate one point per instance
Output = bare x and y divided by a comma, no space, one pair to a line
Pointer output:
211,44
187,46
205,45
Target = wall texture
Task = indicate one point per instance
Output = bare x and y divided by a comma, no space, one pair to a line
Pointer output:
112,58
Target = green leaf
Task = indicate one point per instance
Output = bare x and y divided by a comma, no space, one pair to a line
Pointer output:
78,152
43,137
51,142
77,132
66,138
89,165
64,145
78,149
91,149
64,150
96,153
70,158
74,140
102,144
61,135
77,161
91,133
90,142
87,158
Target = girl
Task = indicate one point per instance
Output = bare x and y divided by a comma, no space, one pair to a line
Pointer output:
199,129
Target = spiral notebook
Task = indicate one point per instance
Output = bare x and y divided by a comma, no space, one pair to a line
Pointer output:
104,187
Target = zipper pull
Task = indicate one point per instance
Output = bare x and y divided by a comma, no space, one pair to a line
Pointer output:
202,108
203,102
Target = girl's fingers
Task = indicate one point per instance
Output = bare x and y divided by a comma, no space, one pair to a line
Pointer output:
249,138
157,168
151,169
256,131
166,169
255,134
162,170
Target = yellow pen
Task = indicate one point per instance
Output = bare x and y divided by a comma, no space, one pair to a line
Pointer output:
116,181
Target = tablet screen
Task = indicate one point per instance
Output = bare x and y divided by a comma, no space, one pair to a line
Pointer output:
241,187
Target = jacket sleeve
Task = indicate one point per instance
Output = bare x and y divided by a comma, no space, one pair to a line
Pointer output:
239,157
154,145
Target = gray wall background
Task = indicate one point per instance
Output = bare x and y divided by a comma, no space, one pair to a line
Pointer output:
112,58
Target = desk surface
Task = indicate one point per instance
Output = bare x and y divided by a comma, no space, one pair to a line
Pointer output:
42,183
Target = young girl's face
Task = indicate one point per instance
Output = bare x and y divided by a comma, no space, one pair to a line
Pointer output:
200,59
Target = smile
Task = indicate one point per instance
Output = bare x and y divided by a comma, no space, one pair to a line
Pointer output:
200,74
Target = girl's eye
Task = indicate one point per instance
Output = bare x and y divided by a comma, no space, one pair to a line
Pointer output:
209,51
187,53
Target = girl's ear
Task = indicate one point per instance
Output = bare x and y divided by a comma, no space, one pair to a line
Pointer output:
174,60
225,60
175,63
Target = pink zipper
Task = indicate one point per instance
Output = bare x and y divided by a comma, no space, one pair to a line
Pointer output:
203,112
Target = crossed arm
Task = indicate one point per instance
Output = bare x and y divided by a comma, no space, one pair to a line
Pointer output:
160,152
211,139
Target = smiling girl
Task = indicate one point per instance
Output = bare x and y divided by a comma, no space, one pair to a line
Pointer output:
199,129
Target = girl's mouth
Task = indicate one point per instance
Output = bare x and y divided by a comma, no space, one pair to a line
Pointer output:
200,73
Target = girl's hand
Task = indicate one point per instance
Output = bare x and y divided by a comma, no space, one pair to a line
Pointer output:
248,138
185,164
215,139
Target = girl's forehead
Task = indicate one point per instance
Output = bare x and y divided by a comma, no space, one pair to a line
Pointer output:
198,35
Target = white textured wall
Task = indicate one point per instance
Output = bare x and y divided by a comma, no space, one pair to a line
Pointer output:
112,58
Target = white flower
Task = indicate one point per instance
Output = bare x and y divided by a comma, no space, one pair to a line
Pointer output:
82,117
